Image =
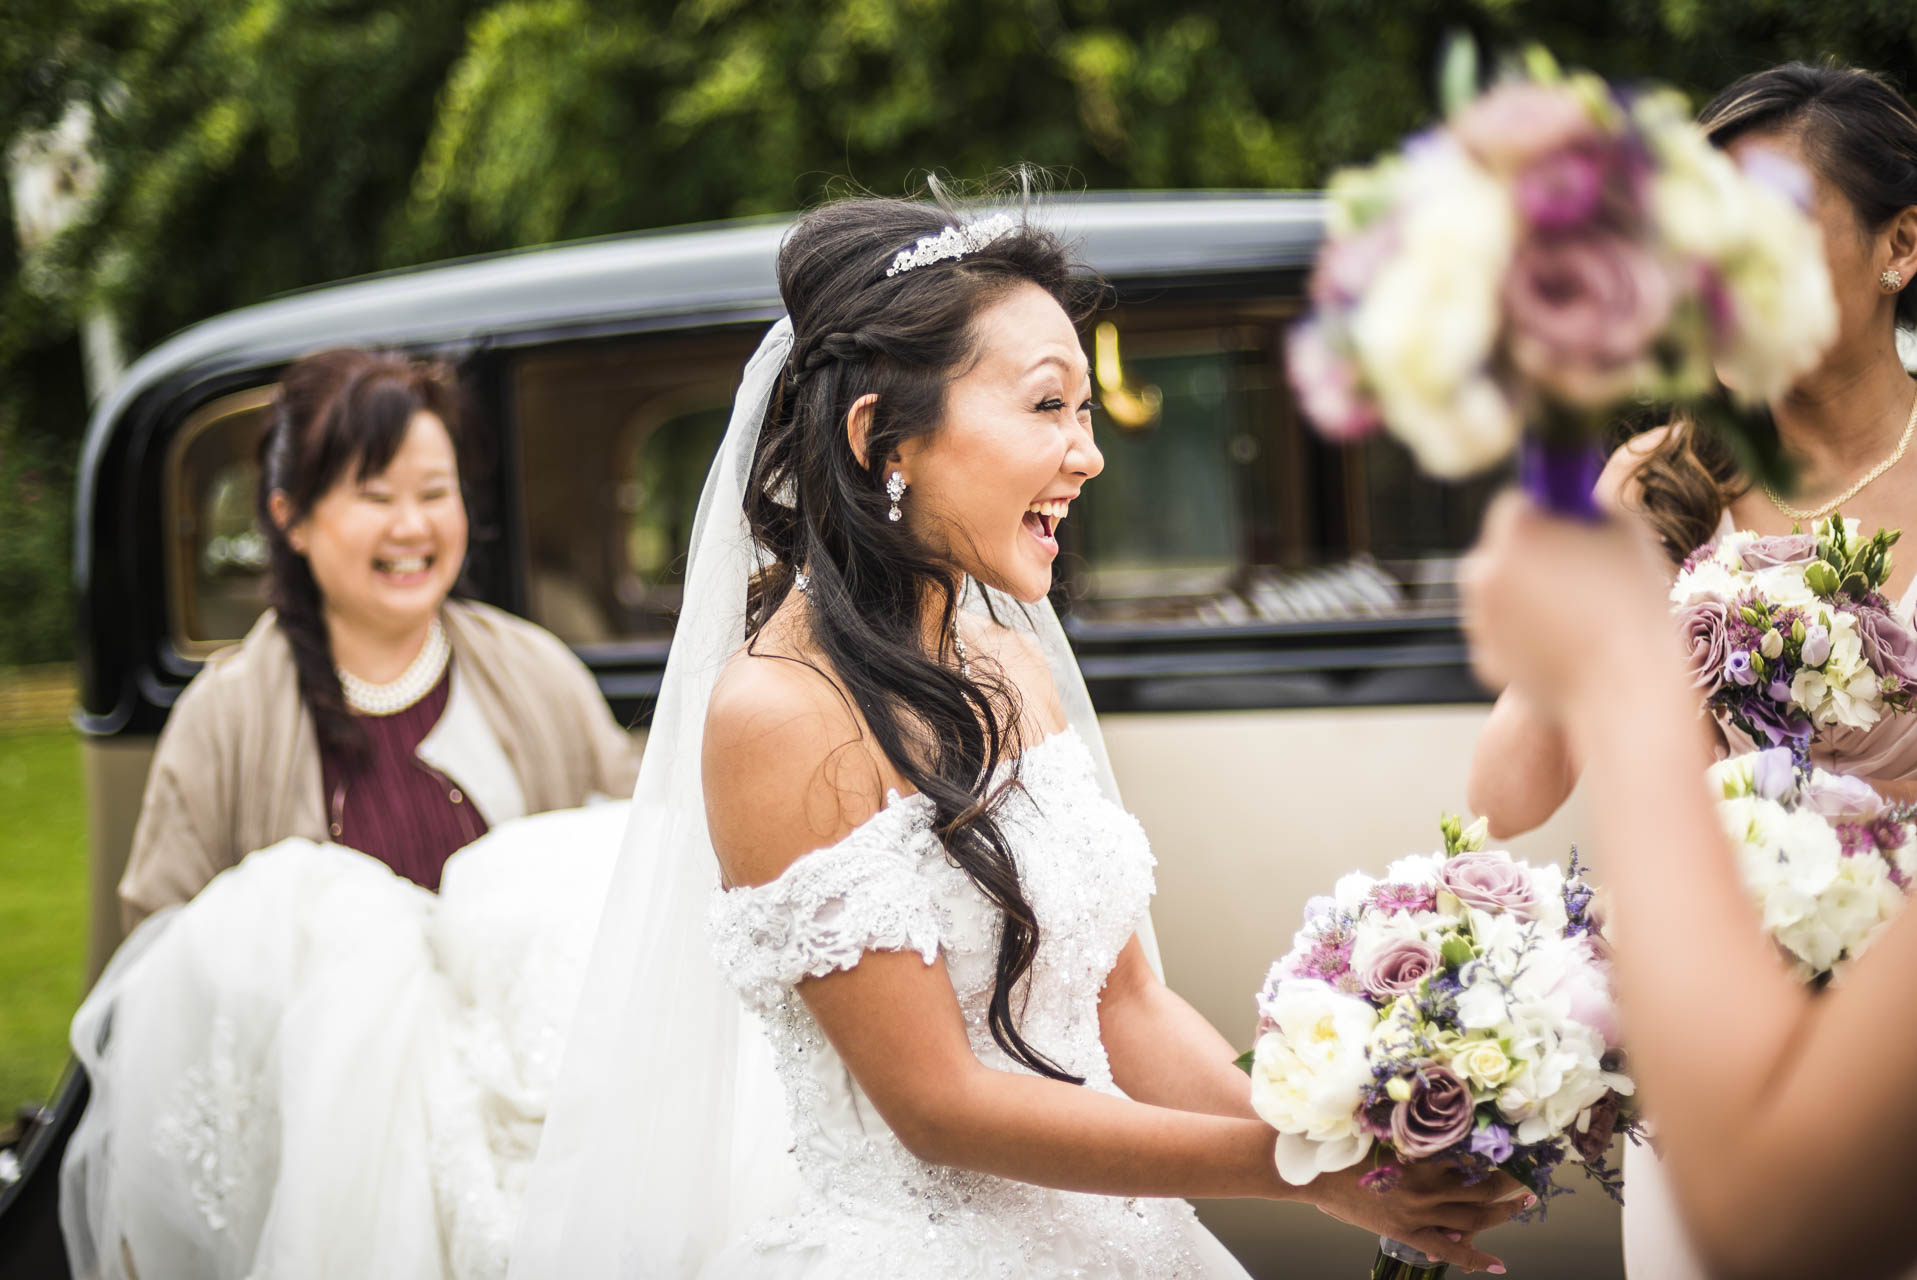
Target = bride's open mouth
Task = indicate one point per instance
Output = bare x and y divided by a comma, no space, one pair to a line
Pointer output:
1042,520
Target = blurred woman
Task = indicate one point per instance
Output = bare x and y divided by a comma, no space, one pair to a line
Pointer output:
1785,1118
367,706
1848,423
326,1046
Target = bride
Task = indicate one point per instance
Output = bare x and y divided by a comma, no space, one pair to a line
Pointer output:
876,794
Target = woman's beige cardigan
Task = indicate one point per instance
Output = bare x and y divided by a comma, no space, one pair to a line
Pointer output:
237,767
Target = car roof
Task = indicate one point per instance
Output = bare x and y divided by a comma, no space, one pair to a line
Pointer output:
712,270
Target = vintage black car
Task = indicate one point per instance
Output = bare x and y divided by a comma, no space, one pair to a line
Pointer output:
1266,622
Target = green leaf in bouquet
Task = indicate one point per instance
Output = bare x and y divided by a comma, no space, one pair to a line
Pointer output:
1540,66
1821,578
1457,951
1244,1060
1458,81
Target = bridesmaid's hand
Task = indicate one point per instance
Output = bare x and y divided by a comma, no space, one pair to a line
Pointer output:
1431,1208
1562,609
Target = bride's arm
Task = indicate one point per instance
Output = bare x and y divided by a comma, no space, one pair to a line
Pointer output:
787,772
1786,1120
896,1023
1162,1050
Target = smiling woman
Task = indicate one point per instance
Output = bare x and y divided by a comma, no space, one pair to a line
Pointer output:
368,707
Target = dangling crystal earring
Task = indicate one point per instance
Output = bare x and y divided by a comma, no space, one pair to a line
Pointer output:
894,489
1891,281
958,648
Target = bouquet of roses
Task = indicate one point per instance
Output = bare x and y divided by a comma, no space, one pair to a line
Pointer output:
1555,251
1457,1009
1789,635
1826,860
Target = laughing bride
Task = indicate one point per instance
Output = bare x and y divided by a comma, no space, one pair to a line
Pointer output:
876,792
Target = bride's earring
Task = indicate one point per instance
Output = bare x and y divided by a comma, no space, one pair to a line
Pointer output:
1891,281
894,489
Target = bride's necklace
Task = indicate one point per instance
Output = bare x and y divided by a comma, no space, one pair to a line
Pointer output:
414,683
1818,513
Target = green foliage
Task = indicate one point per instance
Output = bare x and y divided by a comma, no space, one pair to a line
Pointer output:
43,912
254,146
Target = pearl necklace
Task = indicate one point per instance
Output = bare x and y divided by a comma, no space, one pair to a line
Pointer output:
1818,513
414,683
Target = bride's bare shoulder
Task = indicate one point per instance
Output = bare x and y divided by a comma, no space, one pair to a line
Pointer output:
787,764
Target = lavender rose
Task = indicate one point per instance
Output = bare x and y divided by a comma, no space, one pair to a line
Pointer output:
1562,190
1436,1116
1888,645
1783,549
1398,968
1816,646
1491,882
1774,774
1842,798
1583,309
1328,385
1517,124
1704,625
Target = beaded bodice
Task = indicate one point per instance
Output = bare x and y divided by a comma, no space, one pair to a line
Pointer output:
1086,868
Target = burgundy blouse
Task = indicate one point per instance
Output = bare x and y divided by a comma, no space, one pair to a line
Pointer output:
398,808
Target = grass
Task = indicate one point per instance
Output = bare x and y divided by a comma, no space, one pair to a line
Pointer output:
43,908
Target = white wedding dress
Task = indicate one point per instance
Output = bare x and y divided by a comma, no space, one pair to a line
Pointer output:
868,1207
318,1069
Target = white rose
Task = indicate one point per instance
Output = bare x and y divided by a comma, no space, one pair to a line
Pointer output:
1706,580
1784,585
1417,868
1785,314
1308,1076
1352,889
1482,1062
1427,326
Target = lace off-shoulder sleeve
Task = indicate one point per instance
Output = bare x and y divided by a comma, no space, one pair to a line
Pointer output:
873,891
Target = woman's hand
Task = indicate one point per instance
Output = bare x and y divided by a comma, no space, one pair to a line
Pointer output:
1563,609
1431,1208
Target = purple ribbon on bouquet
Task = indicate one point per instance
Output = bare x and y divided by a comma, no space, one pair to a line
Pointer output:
1561,475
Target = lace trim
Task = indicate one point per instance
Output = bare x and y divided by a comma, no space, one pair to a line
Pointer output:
869,892
208,1129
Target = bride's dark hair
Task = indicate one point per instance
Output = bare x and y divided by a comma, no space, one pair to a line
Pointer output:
1861,136
812,503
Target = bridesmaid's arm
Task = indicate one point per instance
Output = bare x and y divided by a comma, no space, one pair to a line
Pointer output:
1786,1120
1522,770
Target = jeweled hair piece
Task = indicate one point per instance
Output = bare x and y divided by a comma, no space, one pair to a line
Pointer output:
953,242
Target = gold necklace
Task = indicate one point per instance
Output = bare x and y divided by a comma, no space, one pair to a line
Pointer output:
1818,513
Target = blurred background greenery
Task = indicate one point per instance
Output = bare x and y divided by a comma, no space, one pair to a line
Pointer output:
240,148
253,146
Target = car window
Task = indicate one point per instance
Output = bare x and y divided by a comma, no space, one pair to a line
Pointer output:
614,439
1218,505
215,556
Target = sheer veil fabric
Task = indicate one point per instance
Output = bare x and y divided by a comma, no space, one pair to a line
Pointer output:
666,1135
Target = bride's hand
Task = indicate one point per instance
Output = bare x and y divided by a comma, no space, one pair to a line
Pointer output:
1431,1208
